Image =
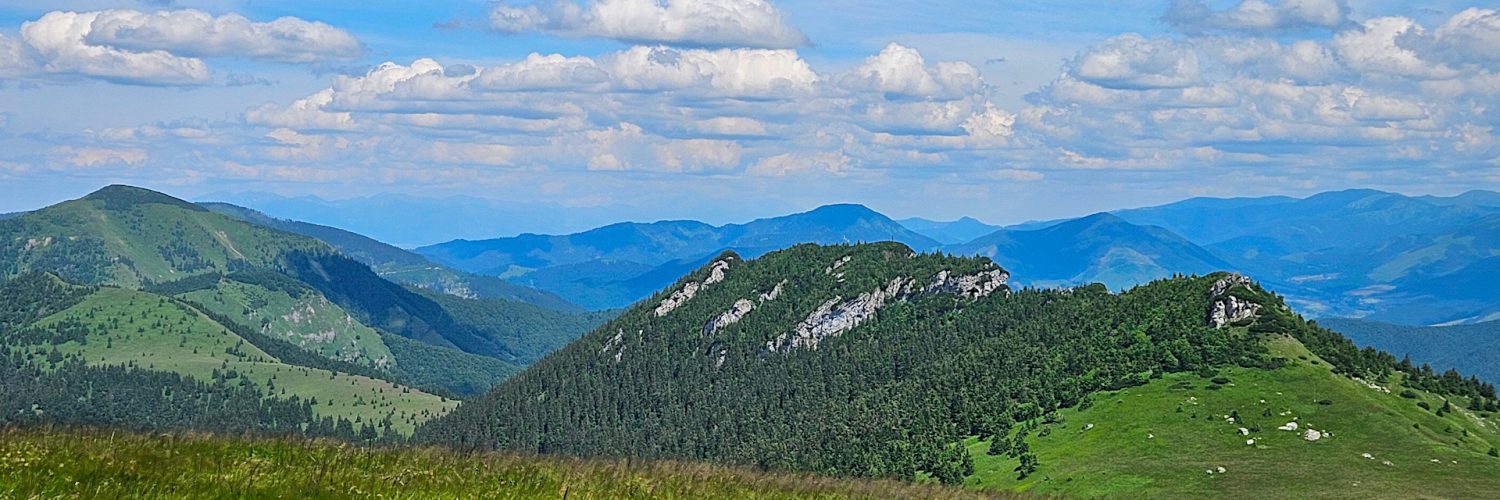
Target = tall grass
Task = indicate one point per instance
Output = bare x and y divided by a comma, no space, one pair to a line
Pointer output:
94,463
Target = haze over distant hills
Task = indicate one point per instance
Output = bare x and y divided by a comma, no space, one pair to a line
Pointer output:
959,230
409,221
1100,248
1359,253
616,265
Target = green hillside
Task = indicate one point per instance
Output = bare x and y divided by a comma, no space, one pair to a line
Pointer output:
399,265
53,464
138,330
295,313
872,360
283,285
129,237
1162,439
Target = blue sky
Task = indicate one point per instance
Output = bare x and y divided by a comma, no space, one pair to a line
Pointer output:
725,110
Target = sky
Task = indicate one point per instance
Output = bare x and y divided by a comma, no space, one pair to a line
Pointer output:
727,110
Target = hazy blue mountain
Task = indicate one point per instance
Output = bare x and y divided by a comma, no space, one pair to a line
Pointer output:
615,265
1340,218
961,230
400,265
1359,253
11,215
409,221
1468,348
1099,248
1476,197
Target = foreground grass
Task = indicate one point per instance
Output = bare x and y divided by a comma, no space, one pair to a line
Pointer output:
45,463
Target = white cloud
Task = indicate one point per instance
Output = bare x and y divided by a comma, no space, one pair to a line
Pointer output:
1131,61
14,60
96,156
472,154
730,126
60,41
304,113
161,48
727,71
1373,48
782,165
902,70
697,155
664,109
1194,16
1469,38
198,34
719,23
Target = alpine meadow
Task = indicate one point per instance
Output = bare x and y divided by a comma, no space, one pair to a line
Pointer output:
782,249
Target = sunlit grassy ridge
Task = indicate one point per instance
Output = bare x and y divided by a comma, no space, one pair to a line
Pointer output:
308,320
148,331
1161,440
102,464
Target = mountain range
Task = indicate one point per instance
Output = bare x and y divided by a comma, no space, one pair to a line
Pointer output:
616,265
1356,253
1095,357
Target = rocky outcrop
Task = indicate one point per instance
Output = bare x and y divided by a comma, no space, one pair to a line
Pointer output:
615,344
972,286
716,274
774,293
733,315
834,317
837,264
1222,286
1227,309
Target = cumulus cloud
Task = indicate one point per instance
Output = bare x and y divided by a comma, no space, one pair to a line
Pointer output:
667,109
1131,61
1195,16
1388,84
902,70
694,23
97,156
60,41
162,48
199,34
1469,38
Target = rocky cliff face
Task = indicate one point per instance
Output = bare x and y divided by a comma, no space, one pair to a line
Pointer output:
1227,309
680,297
834,318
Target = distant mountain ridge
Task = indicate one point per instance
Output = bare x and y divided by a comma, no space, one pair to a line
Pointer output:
613,266
1100,248
399,265
961,230
1472,348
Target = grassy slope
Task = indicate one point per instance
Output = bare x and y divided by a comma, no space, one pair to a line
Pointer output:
139,234
1116,457
309,321
191,344
46,464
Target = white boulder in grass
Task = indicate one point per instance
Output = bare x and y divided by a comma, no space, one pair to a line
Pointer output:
1290,426
1312,435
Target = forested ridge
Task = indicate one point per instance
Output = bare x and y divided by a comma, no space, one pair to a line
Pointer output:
887,398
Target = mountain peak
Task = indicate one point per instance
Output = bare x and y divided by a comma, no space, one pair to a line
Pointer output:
842,211
122,197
